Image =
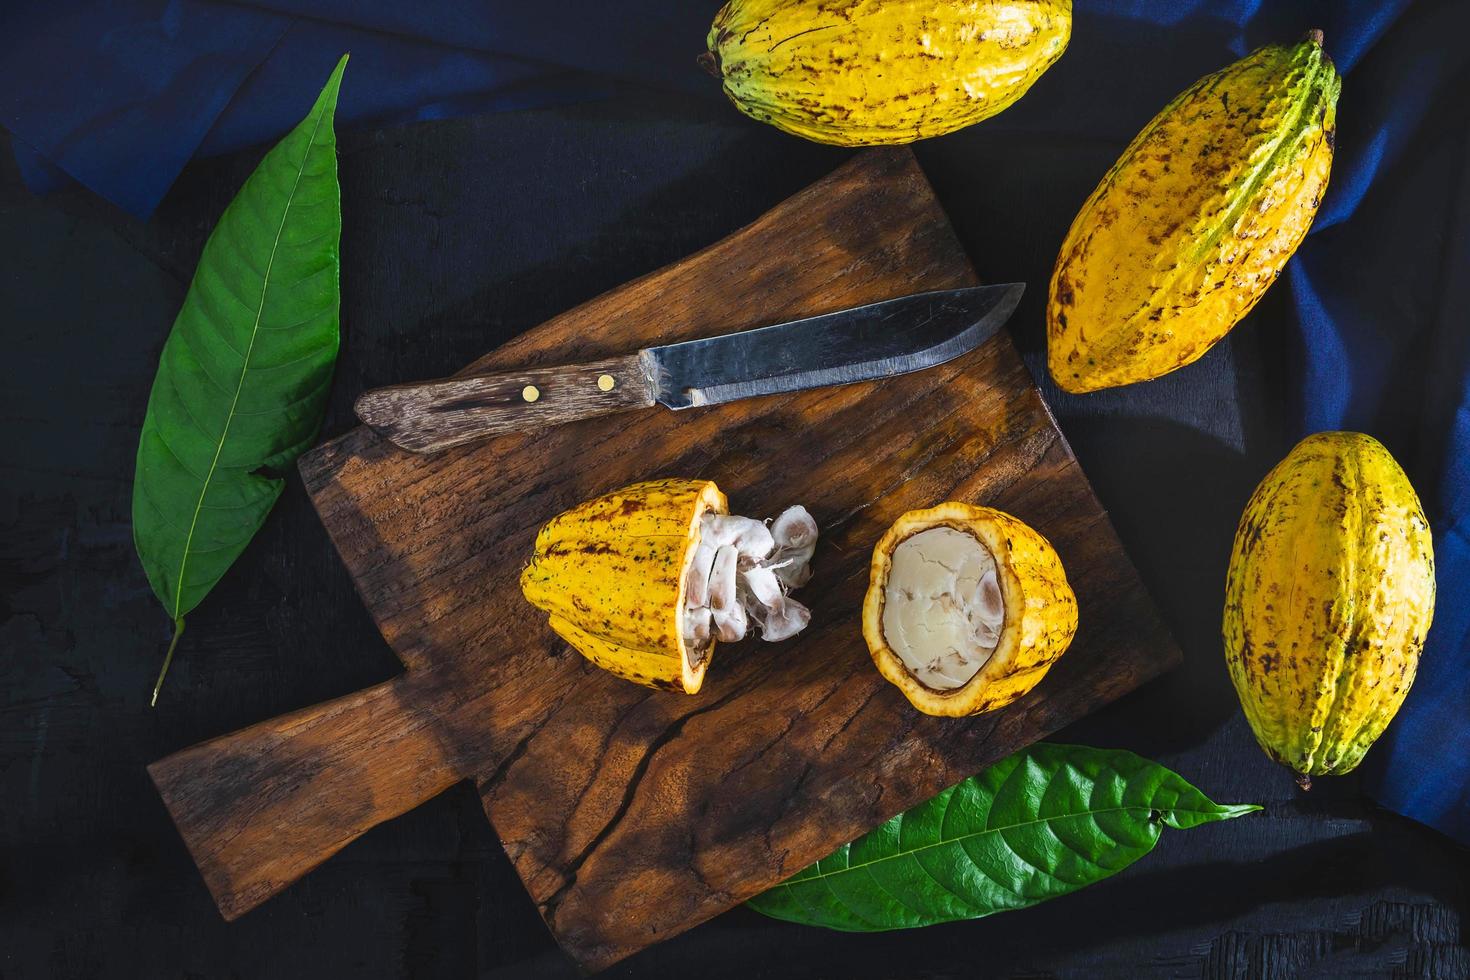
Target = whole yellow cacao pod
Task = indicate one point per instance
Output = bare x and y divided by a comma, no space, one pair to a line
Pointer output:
881,72
1195,220
1327,603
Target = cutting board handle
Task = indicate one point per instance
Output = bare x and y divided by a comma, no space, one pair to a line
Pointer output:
260,807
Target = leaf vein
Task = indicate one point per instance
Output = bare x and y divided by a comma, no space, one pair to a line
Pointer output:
979,833
245,367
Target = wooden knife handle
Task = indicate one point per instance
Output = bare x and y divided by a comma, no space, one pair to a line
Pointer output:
435,415
260,807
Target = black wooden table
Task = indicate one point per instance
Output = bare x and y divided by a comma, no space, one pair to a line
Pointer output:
457,235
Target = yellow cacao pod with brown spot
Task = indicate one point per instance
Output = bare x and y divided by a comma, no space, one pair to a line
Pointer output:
610,573
1329,597
1195,220
882,72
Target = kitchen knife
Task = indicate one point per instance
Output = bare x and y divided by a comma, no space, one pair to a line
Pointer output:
878,340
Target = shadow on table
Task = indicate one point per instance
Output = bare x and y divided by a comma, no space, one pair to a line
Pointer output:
625,226
1175,495
1214,894
1207,899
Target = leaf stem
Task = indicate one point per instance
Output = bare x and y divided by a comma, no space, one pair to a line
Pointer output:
168,658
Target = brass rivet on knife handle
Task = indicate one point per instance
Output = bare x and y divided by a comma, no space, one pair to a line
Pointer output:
435,415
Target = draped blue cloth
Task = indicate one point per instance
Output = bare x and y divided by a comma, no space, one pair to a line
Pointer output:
118,95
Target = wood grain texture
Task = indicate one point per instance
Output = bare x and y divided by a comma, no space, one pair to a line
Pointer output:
323,776
434,415
630,814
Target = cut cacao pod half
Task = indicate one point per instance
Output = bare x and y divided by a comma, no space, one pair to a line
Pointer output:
967,608
644,581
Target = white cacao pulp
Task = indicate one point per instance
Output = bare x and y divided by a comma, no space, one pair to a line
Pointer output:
943,611
741,573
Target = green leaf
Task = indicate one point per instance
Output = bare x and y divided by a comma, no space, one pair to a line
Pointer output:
243,378
1044,822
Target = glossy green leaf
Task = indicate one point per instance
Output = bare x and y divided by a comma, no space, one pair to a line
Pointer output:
243,378
1044,822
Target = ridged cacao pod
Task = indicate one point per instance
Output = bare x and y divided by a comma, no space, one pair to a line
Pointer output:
1329,597
1195,220
611,575
880,72
967,608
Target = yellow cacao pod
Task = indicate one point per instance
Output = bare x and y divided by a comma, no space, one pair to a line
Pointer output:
611,572
1329,597
881,72
1195,220
967,608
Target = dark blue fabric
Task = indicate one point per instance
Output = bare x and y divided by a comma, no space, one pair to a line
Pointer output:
120,94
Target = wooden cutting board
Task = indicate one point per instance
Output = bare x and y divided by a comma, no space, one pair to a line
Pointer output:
633,814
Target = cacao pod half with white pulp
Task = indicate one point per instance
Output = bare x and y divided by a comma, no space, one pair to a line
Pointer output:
643,581
967,608
1329,597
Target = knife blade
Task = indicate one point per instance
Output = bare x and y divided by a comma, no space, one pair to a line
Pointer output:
864,343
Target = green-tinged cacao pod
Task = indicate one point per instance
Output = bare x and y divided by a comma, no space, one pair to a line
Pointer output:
1328,600
1195,220
882,72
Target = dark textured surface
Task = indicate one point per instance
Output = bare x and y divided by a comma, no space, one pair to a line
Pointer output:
456,236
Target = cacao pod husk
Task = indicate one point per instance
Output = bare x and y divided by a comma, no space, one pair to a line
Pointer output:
1040,610
1328,600
1195,220
611,572
881,72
